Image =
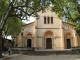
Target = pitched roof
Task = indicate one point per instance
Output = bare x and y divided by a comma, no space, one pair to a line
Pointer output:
29,23
68,24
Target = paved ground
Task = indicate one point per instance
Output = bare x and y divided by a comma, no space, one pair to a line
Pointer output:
48,57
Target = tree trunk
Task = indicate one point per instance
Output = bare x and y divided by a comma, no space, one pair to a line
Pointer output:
3,22
0,43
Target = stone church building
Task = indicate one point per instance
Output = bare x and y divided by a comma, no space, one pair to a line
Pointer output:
48,32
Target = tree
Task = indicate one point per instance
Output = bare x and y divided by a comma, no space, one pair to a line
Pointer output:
20,9
69,10
3,9
77,25
13,26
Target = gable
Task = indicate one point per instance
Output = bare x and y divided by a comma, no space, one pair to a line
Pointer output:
45,21
47,12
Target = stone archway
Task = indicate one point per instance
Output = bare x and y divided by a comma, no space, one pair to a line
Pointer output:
49,39
68,40
28,40
29,35
48,33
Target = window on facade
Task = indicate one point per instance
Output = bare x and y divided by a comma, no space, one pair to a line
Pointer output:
51,20
48,20
44,20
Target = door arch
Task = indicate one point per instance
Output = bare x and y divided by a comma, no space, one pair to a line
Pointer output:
69,40
29,39
48,43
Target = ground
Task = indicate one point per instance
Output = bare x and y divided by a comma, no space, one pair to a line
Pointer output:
46,57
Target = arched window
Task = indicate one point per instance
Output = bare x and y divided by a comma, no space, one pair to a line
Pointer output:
51,20
44,20
48,20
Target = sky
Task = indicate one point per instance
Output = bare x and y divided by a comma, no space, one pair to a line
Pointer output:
9,37
31,19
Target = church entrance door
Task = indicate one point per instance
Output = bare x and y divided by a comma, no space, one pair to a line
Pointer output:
28,42
68,42
48,43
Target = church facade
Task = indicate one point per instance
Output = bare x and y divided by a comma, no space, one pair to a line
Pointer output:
47,32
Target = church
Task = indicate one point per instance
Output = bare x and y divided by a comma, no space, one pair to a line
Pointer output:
47,33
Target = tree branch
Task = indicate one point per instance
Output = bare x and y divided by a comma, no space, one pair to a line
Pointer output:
5,16
27,2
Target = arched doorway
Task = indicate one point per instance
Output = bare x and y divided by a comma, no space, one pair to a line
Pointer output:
68,43
68,40
48,43
49,36
29,39
28,42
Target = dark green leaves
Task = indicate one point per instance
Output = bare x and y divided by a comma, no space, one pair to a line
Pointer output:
13,26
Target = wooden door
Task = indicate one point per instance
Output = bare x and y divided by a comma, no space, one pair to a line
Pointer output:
48,43
28,42
68,41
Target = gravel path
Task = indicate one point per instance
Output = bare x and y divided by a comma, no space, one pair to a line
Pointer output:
48,57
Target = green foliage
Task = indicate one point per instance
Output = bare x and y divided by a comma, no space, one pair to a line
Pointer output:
66,8
13,26
77,25
70,9
77,28
3,7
